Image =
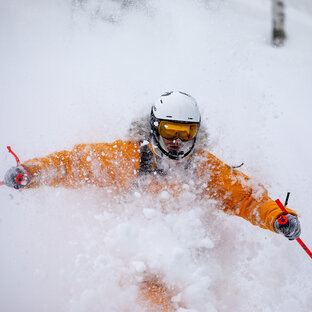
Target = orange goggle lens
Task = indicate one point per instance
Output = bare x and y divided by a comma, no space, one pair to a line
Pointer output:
173,130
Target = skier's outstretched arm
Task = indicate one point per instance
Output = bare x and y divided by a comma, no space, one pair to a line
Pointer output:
242,197
103,164
52,170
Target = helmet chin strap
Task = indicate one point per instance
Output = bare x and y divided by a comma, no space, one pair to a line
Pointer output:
175,155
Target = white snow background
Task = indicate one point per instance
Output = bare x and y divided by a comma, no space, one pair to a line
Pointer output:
75,73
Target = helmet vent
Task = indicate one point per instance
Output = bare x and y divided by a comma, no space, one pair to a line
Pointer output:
169,116
167,93
190,118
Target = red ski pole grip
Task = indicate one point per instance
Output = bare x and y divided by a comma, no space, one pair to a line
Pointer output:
282,220
20,178
305,248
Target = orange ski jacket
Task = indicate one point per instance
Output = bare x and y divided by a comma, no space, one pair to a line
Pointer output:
116,166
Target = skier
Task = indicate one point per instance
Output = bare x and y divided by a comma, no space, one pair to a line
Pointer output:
167,146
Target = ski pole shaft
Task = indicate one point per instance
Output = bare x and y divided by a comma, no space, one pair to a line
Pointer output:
283,218
307,250
287,197
281,206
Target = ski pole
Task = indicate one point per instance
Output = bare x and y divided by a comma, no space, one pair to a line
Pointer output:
20,177
283,220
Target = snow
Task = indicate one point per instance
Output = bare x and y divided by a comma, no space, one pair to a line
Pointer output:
74,75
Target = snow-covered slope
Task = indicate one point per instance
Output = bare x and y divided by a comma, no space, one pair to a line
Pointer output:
80,73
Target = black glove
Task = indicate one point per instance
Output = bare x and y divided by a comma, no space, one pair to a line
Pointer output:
291,229
17,177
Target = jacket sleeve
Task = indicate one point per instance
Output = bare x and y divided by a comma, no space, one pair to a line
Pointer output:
112,165
238,194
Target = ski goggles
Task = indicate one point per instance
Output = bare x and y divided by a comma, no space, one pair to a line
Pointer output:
174,130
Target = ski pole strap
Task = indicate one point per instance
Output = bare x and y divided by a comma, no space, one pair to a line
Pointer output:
301,243
15,156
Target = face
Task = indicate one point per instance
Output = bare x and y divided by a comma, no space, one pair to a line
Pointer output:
174,144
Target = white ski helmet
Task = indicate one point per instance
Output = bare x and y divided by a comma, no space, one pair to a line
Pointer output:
178,108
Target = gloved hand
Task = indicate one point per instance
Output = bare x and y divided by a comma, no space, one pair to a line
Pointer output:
291,229
17,177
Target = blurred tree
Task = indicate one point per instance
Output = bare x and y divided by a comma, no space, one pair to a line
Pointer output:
278,35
